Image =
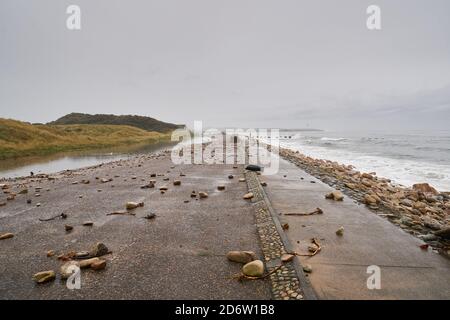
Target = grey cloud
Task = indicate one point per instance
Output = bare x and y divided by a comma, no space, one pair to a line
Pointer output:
264,63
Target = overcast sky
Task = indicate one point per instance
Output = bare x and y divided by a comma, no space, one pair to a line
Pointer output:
230,63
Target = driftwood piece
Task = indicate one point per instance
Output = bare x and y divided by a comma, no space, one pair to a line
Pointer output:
122,212
312,254
316,211
62,216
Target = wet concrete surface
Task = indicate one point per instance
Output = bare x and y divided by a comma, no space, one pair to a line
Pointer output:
340,269
180,254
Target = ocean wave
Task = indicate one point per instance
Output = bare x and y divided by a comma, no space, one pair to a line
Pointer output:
332,139
403,169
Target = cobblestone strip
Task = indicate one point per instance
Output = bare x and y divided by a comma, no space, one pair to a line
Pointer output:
288,282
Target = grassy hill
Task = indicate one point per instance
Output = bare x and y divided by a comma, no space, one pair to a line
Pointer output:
145,123
24,139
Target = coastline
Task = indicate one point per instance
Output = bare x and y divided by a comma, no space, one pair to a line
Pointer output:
421,210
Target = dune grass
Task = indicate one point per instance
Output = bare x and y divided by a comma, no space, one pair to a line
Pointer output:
19,139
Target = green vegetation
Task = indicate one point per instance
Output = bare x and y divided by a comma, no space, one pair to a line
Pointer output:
145,123
18,139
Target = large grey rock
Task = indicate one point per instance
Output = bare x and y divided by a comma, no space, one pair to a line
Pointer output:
253,269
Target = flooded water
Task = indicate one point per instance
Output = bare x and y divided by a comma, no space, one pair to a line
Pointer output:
13,168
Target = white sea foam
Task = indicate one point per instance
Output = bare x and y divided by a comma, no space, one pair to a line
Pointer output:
406,170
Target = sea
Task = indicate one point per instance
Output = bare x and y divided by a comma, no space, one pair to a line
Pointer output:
406,158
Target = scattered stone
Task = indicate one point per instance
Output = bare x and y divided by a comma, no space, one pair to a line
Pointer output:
407,202
253,269
177,183
193,194
2,204
150,216
202,195
424,246
44,276
286,257
335,195
230,176
369,200
133,205
221,188
38,204
307,268
23,191
242,180
263,184
88,223
98,265
5,236
248,195
98,250
367,176
66,269
50,253
68,228
163,188
241,256
86,263
148,186
340,231
285,226
66,257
